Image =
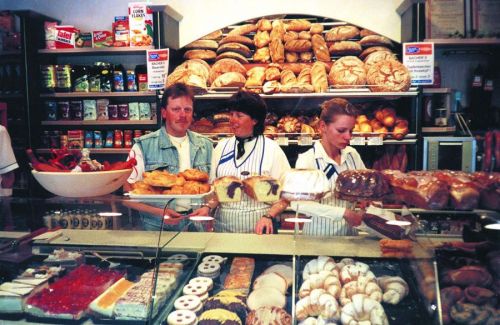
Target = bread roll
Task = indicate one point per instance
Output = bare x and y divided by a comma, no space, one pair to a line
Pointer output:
215,35
228,189
295,88
237,39
388,75
304,35
341,33
319,48
298,25
255,77
262,189
197,67
235,47
304,76
290,36
264,25
232,55
378,56
347,71
345,48
319,77
262,55
261,39
365,32
375,40
225,65
243,29
277,50
203,45
306,56
291,57
278,30
372,49
229,79
200,54
271,87
273,73
316,28
298,45
288,77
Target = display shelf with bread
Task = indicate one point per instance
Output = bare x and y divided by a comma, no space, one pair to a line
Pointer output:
100,94
98,50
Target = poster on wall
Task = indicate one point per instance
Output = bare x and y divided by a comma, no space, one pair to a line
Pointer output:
444,18
485,15
419,59
157,68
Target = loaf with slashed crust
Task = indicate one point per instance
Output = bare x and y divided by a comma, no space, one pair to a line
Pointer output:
347,71
320,48
319,77
225,65
388,75
243,29
298,45
341,33
277,50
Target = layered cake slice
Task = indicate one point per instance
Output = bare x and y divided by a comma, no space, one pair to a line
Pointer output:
105,303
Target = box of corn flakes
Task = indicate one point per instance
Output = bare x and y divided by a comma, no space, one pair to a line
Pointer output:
140,18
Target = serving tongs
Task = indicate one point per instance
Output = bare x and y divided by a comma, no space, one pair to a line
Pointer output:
14,244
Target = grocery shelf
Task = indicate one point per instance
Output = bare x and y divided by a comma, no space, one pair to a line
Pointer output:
463,41
100,50
101,122
100,94
103,151
11,96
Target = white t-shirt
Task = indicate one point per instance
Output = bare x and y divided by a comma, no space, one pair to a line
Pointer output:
7,159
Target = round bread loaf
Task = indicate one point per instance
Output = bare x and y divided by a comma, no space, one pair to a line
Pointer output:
203,45
365,183
375,40
388,75
237,39
225,65
232,55
229,79
269,316
347,71
378,56
345,48
200,54
372,49
341,33
235,47
197,67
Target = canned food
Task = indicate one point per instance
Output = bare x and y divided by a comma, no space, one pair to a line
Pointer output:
118,139
127,138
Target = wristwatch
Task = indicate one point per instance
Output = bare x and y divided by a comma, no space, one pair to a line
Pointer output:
267,216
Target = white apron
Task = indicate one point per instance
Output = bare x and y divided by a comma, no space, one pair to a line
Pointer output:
321,226
240,216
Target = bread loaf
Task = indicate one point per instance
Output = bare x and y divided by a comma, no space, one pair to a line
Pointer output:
229,79
271,87
200,54
295,88
288,77
237,39
365,32
378,56
319,77
228,189
273,73
290,36
305,56
278,30
316,28
232,55
298,25
341,33
347,71
215,35
277,50
262,189
235,47
345,48
305,35
262,55
264,25
372,49
304,76
255,77
225,65
291,57
388,75
261,39
203,45
375,40
243,29
320,48
298,45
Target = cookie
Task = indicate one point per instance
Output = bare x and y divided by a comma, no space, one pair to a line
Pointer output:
209,269
177,258
209,283
214,258
188,302
197,290
182,317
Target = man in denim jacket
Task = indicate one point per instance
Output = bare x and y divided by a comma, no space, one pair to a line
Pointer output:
172,148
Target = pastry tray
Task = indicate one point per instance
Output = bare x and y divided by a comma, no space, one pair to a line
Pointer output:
167,196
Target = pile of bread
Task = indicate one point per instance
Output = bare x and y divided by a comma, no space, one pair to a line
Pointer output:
384,122
346,291
293,56
230,189
188,182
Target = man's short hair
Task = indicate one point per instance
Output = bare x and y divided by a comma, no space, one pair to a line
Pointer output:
175,91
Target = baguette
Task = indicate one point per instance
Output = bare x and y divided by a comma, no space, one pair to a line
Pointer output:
243,29
215,35
319,48
298,25
319,77
277,50
345,48
298,45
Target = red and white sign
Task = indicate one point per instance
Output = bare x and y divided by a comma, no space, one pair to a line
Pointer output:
157,68
419,59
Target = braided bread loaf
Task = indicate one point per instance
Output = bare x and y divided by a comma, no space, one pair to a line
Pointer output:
323,280
318,303
322,263
363,285
363,310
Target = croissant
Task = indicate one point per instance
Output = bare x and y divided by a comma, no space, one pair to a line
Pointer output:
318,303
322,263
323,280
394,287
363,285
352,272
363,310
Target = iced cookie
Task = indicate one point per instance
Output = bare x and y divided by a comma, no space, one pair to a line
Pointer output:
188,302
208,282
182,317
209,269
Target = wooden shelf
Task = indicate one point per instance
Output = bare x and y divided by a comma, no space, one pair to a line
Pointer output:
101,122
464,41
97,151
99,50
100,94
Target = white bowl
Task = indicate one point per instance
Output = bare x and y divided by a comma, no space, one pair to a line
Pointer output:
82,184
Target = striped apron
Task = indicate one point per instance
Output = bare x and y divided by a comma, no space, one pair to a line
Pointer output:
321,226
240,216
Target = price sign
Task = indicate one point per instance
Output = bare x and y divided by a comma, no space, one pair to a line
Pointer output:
419,59
357,141
305,140
375,141
282,141
157,68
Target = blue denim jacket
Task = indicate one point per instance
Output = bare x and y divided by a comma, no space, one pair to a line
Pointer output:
160,153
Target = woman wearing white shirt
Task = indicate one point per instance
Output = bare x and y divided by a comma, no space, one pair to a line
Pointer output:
332,155
245,154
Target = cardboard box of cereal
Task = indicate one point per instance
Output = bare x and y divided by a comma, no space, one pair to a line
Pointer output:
140,18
